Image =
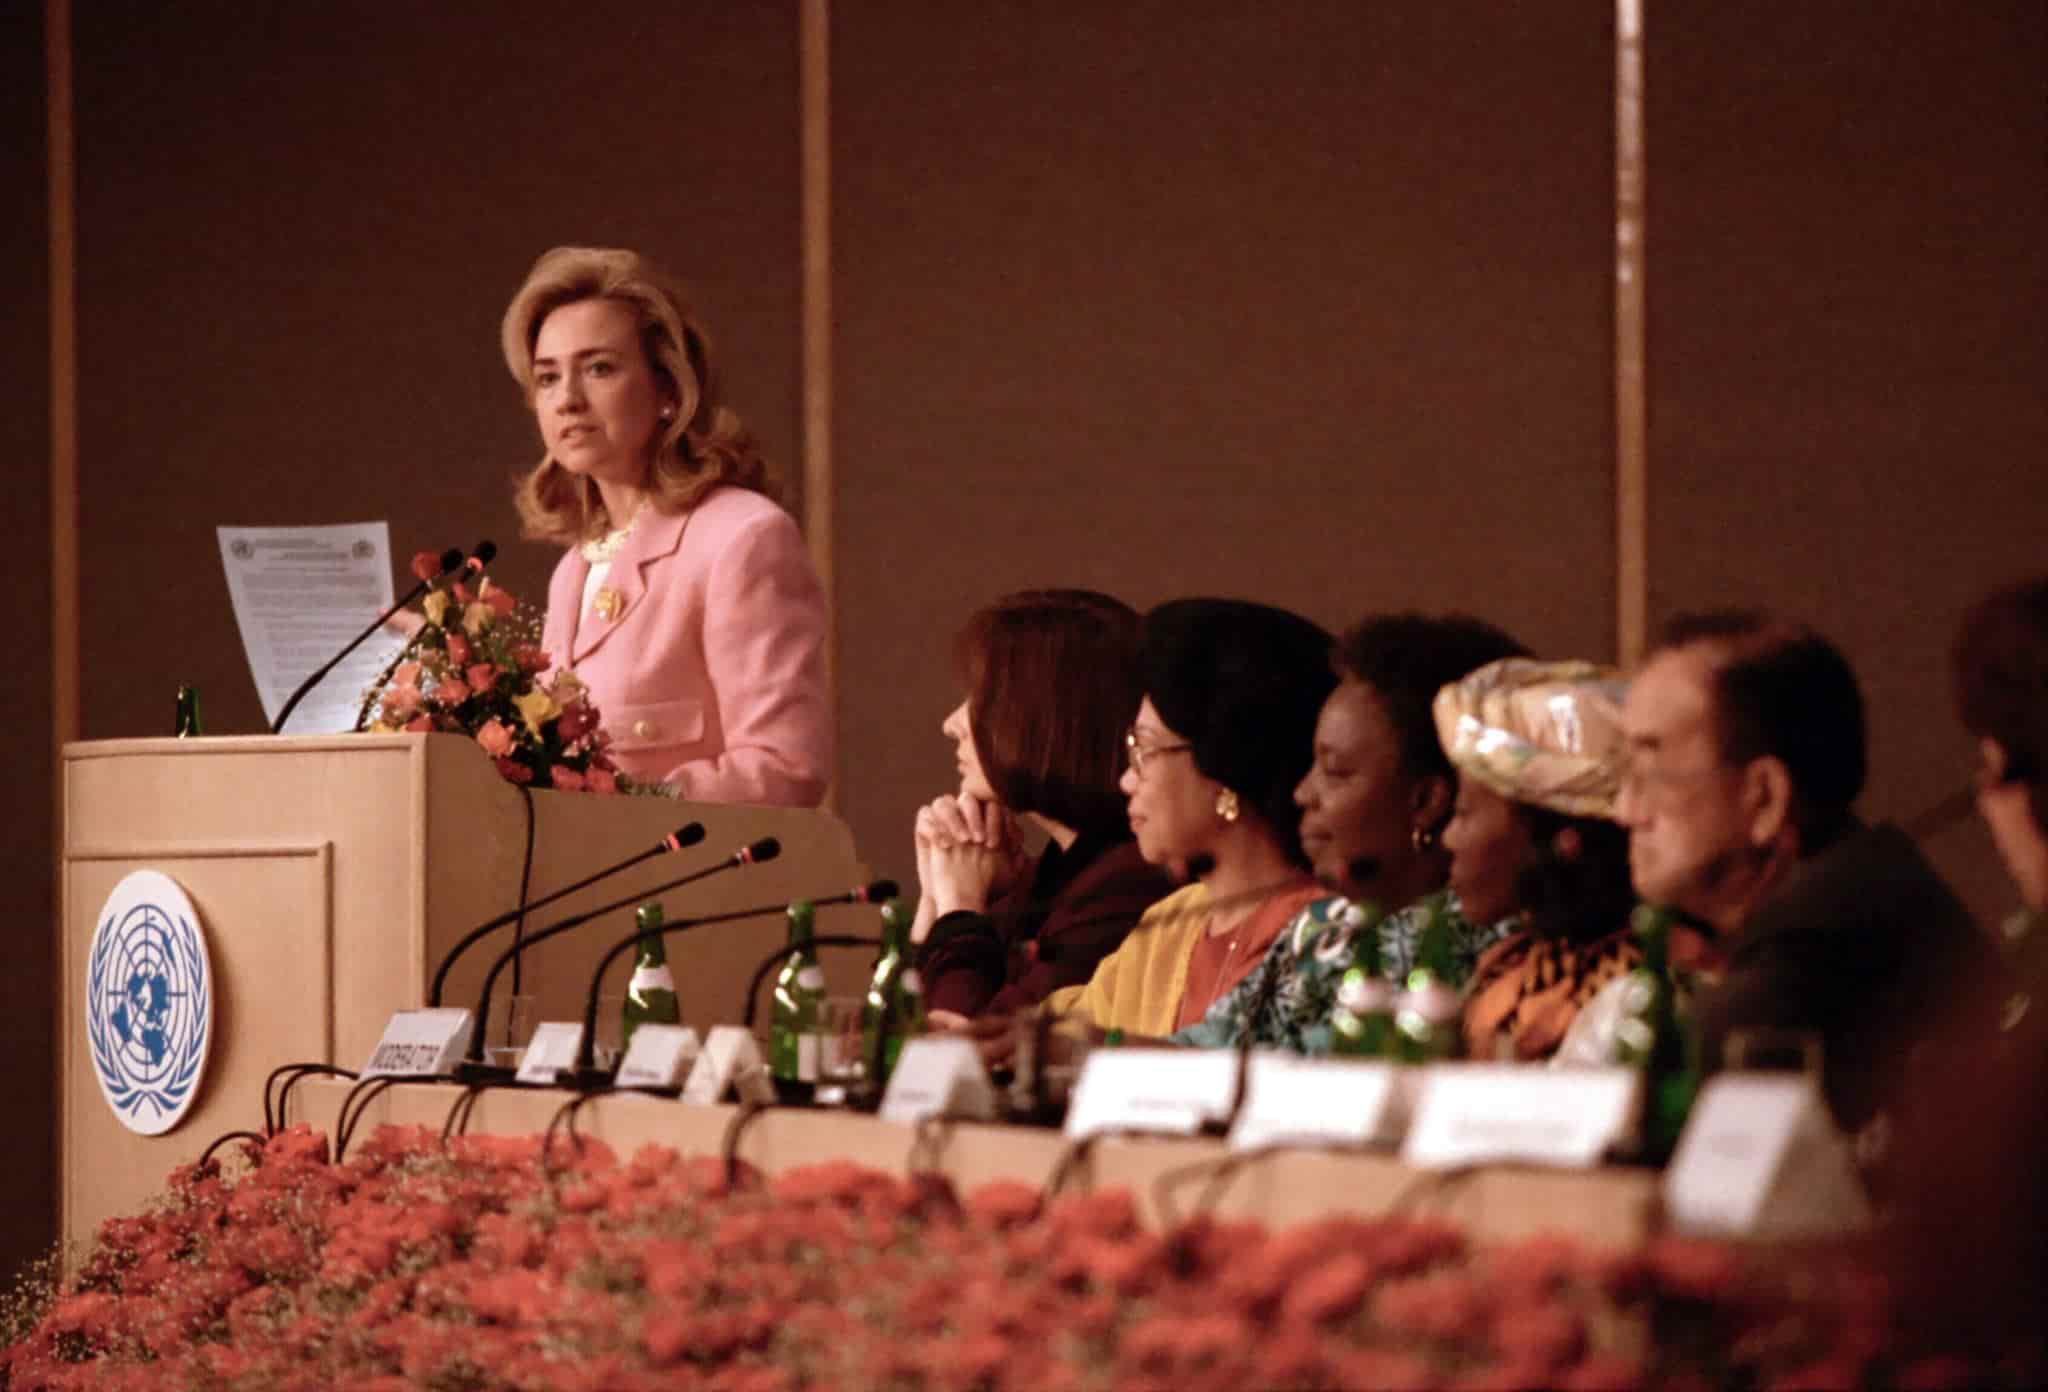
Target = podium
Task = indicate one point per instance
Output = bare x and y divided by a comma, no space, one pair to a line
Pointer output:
332,873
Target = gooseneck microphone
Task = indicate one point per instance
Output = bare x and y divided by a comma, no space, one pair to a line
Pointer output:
451,561
686,835
587,1073
472,1068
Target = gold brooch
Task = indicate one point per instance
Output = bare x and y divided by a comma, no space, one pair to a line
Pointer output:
608,604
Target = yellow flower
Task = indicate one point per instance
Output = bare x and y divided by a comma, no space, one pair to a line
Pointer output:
435,606
536,708
382,727
476,618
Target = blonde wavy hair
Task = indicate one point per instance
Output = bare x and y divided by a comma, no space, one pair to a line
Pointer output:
703,445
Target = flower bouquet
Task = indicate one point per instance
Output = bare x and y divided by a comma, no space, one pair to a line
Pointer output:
475,667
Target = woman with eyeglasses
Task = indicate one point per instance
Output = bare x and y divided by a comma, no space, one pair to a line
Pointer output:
1052,684
1374,805
1225,732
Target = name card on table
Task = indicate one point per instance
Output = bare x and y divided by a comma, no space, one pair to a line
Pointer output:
659,1057
420,1044
1760,1157
1171,1090
939,1075
730,1061
551,1052
1291,1100
1487,1113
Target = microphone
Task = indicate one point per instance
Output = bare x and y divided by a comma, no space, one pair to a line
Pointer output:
688,834
485,553
472,1069
880,892
451,560
587,1073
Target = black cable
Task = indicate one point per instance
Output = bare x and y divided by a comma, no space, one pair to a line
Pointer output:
1071,1162
781,954
729,1148
1429,1184
366,1091
456,1123
565,1117
206,1156
519,923
273,1120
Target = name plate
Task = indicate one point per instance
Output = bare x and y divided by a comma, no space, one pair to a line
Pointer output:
938,1075
551,1052
1761,1157
1483,1113
1171,1090
658,1057
1291,1100
420,1044
730,1061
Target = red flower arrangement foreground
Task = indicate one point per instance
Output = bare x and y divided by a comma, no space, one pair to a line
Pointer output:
474,1266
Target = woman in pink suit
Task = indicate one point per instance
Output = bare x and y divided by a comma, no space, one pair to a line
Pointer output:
686,601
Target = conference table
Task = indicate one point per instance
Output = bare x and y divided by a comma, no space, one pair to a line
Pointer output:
1611,1206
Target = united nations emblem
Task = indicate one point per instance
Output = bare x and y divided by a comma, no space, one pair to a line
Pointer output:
149,1002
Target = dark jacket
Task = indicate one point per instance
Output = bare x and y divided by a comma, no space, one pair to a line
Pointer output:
1047,933
1864,947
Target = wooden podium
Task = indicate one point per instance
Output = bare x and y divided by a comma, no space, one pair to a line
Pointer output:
332,873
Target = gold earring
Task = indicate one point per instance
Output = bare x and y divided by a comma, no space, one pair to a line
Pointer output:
1226,805
1421,838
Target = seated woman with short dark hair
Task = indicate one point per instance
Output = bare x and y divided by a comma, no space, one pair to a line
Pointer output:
1052,684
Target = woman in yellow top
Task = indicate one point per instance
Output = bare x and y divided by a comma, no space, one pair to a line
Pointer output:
1226,731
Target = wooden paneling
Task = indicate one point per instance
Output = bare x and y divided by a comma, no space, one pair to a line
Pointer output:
1308,304
1848,219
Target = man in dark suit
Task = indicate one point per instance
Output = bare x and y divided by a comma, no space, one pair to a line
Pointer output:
1745,742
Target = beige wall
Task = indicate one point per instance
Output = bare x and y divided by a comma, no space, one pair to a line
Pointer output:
1308,301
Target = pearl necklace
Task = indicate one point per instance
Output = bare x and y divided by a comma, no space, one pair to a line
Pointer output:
613,541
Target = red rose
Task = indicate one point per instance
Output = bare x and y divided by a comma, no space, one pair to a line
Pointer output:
425,566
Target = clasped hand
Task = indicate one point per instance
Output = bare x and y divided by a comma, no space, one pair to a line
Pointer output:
968,852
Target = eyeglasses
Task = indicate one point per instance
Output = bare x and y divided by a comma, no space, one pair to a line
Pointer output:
1137,753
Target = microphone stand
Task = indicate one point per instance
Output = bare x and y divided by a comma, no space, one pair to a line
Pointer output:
448,567
473,1069
689,834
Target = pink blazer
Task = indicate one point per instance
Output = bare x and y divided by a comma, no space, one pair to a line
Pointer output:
711,675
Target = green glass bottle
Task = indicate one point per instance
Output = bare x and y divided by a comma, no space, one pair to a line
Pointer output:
1427,1014
1362,1021
1651,1037
651,994
794,1025
894,1010
188,713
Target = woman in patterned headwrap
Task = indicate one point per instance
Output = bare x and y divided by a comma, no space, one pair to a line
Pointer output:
1532,837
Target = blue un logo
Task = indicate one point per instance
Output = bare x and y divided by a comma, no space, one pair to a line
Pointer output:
149,1008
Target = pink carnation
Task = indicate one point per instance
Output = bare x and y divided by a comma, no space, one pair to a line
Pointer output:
426,565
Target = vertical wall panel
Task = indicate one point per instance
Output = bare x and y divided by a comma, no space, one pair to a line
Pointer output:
1307,302
301,224
28,1144
1848,225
